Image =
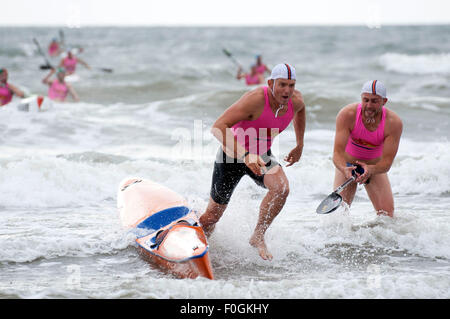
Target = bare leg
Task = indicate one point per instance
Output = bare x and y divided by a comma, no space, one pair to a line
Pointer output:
380,193
278,186
211,216
348,194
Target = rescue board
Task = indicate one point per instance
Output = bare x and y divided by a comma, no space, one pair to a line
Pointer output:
169,233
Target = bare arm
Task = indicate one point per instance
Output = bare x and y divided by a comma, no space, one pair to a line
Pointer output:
299,123
84,63
246,108
390,148
344,123
16,90
73,93
240,75
243,109
46,80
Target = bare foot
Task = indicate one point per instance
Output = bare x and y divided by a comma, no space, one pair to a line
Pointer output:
259,243
385,213
208,230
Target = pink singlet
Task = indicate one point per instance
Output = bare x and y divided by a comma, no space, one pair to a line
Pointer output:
5,95
261,69
70,64
53,49
257,135
251,79
58,91
364,144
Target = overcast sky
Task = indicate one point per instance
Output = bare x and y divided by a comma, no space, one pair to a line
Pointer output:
80,13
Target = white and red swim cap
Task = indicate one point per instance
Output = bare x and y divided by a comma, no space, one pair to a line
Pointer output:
283,71
374,87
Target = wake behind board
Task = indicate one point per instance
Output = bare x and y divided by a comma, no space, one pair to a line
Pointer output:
72,78
35,103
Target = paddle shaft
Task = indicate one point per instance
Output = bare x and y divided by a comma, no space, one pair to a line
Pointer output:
344,185
358,170
106,70
228,54
61,37
41,52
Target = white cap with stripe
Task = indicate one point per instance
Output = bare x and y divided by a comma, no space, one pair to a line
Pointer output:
283,71
374,87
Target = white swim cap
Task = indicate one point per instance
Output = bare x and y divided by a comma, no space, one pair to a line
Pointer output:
283,71
374,87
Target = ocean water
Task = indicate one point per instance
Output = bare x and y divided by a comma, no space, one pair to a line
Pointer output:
60,233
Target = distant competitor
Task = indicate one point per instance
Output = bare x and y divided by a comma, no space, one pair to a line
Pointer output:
7,90
261,68
246,131
252,78
367,134
54,48
69,63
58,89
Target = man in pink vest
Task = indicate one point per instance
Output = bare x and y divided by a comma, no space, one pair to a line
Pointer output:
7,90
58,89
261,68
367,134
246,131
252,78
54,48
69,63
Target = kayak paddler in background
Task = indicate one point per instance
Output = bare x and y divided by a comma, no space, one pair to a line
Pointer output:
58,89
367,134
261,68
69,63
246,131
252,78
7,90
54,48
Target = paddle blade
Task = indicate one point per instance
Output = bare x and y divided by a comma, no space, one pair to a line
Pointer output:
227,53
329,204
45,67
106,70
61,36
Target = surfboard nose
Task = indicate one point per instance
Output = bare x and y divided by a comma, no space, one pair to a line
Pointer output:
187,243
182,242
174,239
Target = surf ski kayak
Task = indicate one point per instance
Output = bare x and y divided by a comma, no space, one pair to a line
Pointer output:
35,103
169,233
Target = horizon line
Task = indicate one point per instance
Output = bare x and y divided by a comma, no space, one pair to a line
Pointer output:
374,25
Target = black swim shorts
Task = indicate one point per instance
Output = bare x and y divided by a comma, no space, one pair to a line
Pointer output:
228,172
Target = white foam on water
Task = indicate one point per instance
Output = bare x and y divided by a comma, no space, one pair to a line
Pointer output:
59,172
416,64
